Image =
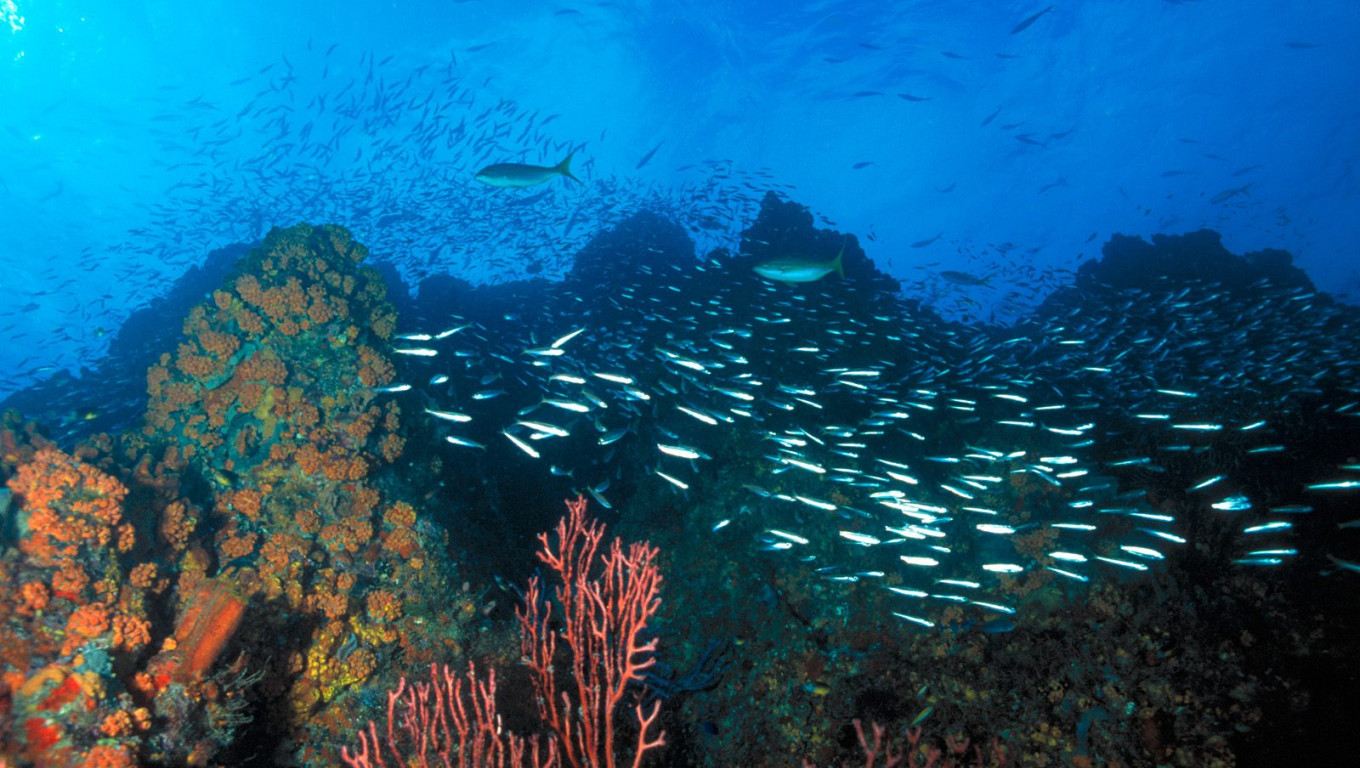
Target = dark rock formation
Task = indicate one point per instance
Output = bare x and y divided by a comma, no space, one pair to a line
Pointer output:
1131,262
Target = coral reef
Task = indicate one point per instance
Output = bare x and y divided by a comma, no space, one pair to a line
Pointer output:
75,618
270,572
606,604
109,396
244,578
269,405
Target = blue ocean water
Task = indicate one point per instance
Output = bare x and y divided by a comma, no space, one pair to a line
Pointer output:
141,136
1019,338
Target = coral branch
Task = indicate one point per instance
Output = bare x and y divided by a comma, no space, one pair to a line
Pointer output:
604,617
428,723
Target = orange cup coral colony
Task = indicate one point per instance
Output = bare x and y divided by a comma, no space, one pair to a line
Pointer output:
253,493
67,505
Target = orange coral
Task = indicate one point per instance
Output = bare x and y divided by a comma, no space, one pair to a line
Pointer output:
400,515
278,551
70,504
233,546
361,426
281,302
109,756
305,415
143,575
345,581
117,724
264,368
248,394
383,606
280,452
126,537
245,501
85,623
333,604
218,344
131,633
157,375
318,311
308,459
344,467
11,681
33,596
347,534
70,581
18,440
383,323
193,365
336,463
392,446
402,542
361,665
374,369
177,525
362,499
288,413
248,288
308,521
250,322
177,394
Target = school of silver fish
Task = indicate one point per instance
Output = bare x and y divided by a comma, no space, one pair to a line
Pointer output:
893,443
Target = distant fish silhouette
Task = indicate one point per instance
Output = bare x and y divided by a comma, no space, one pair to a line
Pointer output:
962,278
647,157
1024,25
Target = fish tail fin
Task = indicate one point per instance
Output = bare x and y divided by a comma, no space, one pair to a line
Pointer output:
840,271
564,168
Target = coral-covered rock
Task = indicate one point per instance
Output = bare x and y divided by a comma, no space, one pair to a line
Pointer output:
75,624
269,413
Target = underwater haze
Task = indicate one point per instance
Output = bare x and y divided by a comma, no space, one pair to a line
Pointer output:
928,383
139,136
